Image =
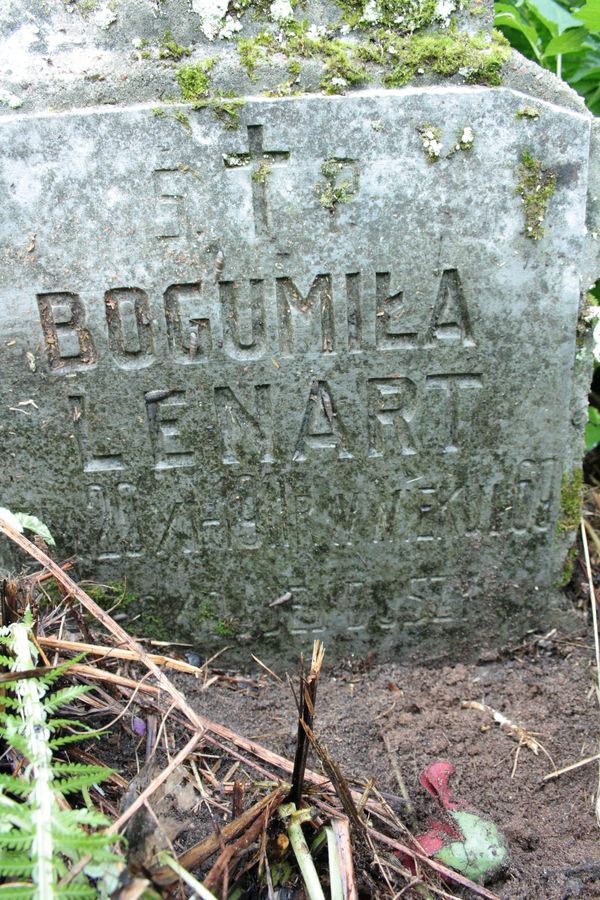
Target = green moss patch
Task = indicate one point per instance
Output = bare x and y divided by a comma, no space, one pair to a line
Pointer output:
536,186
194,80
170,49
402,15
382,54
570,501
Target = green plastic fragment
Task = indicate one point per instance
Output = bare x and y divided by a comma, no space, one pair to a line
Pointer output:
483,852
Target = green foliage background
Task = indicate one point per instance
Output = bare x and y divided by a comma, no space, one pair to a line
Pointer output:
561,36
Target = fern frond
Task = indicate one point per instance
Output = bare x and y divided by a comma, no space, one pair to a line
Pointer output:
85,729
6,661
89,817
9,703
76,892
62,768
14,785
19,866
59,671
17,891
55,743
14,840
63,696
75,783
39,840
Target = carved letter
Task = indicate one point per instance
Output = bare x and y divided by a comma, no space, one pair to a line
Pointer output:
243,433
392,405
129,327
450,317
305,323
321,427
69,344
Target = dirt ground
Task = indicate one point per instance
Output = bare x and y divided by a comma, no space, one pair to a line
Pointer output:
545,687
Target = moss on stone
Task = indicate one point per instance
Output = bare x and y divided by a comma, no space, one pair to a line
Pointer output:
567,571
333,193
478,58
254,50
404,16
529,112
170,49
226,628
226,107
112,595
398,57
194,79
570,501
182,118
535,187
262,173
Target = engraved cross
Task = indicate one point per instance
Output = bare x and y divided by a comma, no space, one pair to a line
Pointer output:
260,162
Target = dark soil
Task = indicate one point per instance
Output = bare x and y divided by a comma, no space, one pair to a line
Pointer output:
545,687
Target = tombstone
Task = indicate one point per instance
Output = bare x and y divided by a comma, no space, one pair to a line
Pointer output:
298,354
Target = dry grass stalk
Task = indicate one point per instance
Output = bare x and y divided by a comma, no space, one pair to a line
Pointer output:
203,850
341,830
590,577
118,653
86,601
524,737
338,781
96,674
572,767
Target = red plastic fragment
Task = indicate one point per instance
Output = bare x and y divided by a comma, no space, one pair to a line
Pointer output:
434,778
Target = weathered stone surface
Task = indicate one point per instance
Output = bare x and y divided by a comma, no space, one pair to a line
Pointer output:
310,377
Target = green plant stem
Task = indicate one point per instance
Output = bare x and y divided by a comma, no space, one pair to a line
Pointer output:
301,851
37,736
335,872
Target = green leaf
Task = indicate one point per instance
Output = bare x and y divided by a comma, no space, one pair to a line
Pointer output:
509,17
570,41
32,523
11,519
592,435
554,16
590,14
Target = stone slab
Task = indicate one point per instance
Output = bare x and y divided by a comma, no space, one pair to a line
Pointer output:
278,416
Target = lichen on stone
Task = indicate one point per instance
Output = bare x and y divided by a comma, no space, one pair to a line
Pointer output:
535,187
431,140
334,192
464,142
